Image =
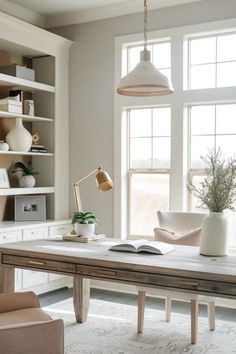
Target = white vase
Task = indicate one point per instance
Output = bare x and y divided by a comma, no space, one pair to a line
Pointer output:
84,229
27,181
214,235
19,139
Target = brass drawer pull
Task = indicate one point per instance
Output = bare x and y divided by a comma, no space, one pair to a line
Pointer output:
37,263
105,273
188,283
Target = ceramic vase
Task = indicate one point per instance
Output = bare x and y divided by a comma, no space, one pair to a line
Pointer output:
84,229
27,181
19,139
214,235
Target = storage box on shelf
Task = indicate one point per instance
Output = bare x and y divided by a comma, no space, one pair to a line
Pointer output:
47,53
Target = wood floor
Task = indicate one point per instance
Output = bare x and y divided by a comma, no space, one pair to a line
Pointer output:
153,303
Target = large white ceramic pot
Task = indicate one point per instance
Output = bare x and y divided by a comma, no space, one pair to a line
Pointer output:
84,229
19,139
214,235
27,181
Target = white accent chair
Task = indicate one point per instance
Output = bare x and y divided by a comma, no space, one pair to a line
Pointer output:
178,222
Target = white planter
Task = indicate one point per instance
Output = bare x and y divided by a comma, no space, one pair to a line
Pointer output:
19,139
27,181
214,235
84,229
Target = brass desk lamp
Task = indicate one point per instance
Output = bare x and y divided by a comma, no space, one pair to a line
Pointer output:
103,180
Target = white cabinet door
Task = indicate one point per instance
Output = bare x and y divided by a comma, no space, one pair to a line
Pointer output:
33,278
13,236
35,233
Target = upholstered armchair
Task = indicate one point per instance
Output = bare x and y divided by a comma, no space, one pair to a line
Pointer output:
26,329
178,228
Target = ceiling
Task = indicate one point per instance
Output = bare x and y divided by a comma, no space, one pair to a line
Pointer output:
55,13
46,7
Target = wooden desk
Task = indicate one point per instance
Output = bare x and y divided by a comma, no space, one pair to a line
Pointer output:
182,270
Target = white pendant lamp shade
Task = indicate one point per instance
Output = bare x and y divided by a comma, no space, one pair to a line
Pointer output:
145,80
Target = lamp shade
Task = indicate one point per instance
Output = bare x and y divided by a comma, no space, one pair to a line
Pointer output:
104,181
145,80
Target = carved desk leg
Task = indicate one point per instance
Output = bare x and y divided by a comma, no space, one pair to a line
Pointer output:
81,297
7,279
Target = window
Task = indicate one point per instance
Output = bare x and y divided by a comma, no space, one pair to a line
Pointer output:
149,166
211,126
159,140
212,61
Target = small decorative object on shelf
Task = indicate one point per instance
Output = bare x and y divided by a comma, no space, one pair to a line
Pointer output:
4,181
35,147
29,107
26,179
3,146
31,207
19,139
217,192
84,223
16,95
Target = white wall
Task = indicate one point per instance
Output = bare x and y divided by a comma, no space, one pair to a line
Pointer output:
92,90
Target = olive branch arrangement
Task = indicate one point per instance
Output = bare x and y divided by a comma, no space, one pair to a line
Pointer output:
217,191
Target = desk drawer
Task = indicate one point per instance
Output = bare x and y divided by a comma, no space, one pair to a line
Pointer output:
40,264
191,285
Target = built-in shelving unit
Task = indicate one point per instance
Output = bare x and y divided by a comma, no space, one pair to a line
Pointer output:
26,191
47,54
24,117
26,85
28,153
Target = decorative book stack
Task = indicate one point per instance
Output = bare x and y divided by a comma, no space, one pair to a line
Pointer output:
38,148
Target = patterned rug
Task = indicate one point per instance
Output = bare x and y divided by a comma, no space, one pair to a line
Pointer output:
111,329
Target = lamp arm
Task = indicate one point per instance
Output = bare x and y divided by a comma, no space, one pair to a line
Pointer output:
78,202
77,198
84,178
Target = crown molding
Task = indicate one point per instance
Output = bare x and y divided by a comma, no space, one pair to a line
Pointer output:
109,11
94,14
22,13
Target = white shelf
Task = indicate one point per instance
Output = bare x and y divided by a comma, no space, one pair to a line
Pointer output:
23,191
28,153
24,117
27,85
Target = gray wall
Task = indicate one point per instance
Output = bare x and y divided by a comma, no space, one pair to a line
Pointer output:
92,90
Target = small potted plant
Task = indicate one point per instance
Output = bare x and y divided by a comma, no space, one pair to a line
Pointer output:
84,223
26,179
217,192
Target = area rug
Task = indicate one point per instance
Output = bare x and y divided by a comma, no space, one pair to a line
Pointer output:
111,329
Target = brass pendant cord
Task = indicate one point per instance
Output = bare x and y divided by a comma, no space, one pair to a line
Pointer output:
145,25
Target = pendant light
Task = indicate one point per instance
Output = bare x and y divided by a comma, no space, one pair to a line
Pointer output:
145,80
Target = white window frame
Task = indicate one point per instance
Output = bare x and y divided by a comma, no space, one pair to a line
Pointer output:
178,102
133,170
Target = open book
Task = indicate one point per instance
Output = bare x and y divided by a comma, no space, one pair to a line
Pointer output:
136,246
